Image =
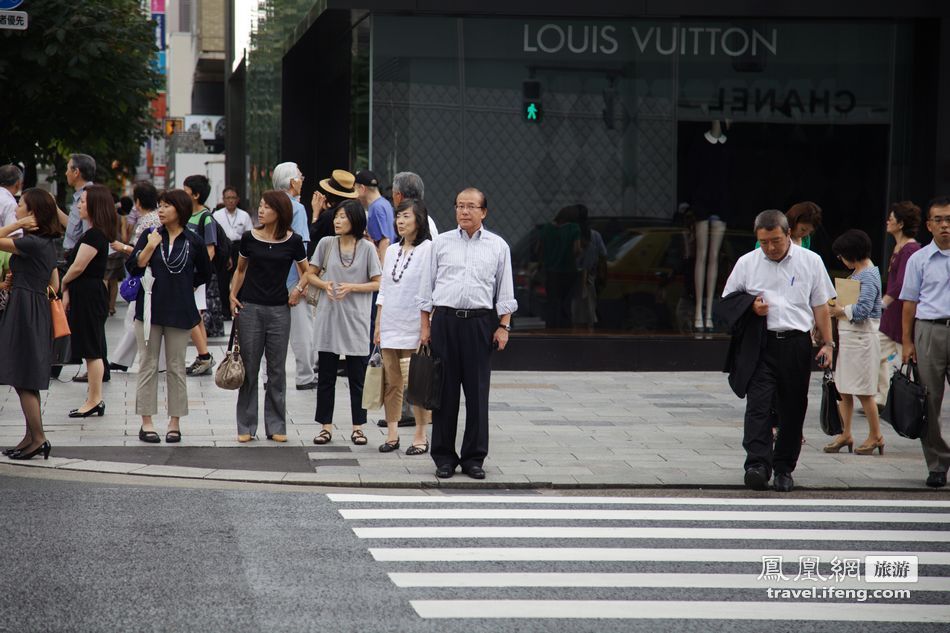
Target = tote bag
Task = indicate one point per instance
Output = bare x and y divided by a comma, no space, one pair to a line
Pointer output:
373,382
906,407
425,379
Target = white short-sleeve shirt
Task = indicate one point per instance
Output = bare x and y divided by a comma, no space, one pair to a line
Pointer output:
791,287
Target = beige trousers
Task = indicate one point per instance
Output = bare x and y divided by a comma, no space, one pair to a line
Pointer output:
395,375
146,396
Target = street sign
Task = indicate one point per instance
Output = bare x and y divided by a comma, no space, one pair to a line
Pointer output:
6,5
15,20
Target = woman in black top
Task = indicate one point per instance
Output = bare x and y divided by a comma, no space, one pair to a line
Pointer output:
173,262
85,296
266,255
25,324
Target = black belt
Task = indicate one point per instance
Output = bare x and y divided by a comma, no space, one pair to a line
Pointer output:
785,334
943,322
463,314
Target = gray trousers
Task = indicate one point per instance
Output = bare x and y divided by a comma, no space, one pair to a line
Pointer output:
175,341
932,341
301,342
263,330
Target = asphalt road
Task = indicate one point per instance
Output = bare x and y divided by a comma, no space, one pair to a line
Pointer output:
90,552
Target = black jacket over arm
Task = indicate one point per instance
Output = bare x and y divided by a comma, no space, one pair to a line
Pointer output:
748,332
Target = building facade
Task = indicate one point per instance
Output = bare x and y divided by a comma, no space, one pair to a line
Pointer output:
670,129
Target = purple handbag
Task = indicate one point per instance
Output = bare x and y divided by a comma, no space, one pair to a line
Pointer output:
129,288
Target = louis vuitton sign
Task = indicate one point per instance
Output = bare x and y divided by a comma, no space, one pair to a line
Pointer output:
609,39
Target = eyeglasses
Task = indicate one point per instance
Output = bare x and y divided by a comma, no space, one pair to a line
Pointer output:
940,219
467,207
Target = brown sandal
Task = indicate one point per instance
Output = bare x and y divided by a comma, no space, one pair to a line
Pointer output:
358,438
323,437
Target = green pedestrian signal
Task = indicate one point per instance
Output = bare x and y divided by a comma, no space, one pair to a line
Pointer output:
531,108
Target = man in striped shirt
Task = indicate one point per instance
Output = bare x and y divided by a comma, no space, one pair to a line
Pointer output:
465,284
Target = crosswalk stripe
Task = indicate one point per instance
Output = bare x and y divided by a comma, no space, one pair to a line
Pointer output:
623,554
642,515
685,501
739,534
681,610
697,581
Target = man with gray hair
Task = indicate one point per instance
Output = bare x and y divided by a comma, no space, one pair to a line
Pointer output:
11,181
80,172
288,178
791,289
409,186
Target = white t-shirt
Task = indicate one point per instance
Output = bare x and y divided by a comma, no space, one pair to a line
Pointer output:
399,325
234,225
791,287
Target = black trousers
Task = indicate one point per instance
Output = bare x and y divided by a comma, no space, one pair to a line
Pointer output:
326,387
465,347
559,287
780,380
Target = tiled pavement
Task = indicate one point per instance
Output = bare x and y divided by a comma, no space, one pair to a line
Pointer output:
548,429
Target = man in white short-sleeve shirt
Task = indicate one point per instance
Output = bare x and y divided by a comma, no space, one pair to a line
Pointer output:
792,290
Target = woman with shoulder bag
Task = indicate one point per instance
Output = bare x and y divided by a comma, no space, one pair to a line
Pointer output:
397,319
26,323
342,324
265,254
178,263
85,296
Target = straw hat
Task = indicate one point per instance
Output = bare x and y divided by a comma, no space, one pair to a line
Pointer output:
340,183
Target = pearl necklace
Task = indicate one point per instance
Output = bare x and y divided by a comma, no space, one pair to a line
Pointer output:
402,272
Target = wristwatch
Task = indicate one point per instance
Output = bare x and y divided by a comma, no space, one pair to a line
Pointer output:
507,327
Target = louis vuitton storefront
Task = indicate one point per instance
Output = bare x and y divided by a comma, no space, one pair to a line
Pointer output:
661,135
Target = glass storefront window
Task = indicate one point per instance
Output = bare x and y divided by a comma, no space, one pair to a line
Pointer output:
616,152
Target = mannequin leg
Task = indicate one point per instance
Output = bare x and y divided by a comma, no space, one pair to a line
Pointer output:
699,274
717,232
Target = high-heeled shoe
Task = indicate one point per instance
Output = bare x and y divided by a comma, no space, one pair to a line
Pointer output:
10,451
837,445
868,449
99,409
44,448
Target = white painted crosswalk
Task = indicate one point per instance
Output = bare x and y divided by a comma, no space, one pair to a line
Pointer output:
509,556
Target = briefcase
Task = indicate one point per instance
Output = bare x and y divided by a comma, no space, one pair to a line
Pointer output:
830,416
906,407
425,379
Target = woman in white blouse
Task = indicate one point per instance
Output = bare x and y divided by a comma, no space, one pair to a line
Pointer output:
397,326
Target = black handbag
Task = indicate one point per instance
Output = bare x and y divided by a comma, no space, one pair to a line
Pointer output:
425,379
62,352
830,416
906,407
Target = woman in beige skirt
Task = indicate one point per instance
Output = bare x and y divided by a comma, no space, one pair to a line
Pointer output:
859,355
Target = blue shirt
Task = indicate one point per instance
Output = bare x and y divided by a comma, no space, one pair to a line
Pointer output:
927,282
301,227
75,226
379,221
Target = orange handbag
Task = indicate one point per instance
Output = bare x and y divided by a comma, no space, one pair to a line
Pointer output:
58,314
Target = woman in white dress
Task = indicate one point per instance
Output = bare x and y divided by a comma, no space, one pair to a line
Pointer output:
859,355
397,319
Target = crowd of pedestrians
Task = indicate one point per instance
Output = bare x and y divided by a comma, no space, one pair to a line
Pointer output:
363,273
358,273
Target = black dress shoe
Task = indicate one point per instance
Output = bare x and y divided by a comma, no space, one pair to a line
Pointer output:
757,478
937,479
783,482
407,421
445,472
99,409
308,386
117,367
475,472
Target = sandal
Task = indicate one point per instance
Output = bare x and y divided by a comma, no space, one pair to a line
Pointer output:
418,450
389,447
323,437
173,437
358,438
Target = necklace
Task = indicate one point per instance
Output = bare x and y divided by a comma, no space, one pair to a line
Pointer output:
340,251
402,271
177,265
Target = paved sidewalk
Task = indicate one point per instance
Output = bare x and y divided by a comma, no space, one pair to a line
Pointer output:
548,429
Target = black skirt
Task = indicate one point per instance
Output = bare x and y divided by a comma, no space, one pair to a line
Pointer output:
88,309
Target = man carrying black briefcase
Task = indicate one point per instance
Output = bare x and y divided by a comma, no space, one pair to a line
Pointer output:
926,321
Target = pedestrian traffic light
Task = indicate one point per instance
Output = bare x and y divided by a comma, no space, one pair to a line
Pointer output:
531,108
